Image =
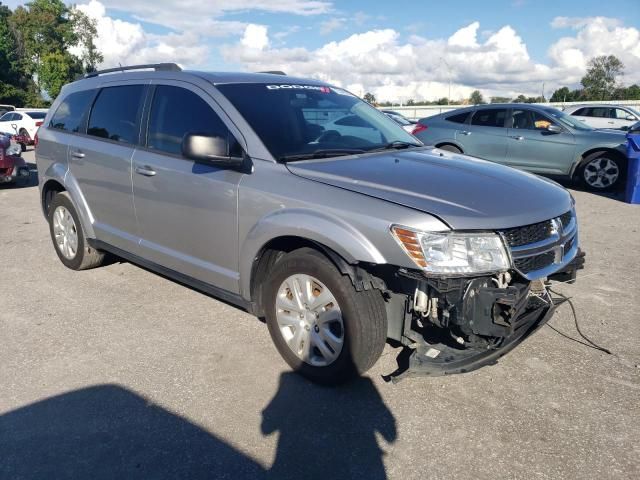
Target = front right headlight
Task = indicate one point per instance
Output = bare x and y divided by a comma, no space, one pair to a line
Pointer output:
452,252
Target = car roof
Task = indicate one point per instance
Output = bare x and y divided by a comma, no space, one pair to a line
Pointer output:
216,78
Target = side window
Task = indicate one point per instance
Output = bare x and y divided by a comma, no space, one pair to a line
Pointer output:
115,113
620,113
17,116
175,112
489,117
458,118
581,112
6,117
524,119
599,112
68,116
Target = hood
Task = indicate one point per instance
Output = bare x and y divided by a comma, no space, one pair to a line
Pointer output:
610,136
467,193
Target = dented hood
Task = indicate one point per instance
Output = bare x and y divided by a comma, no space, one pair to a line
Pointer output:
467,193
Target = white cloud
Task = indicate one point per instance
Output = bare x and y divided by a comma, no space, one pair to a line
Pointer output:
255,37
332,24
127,43
382,62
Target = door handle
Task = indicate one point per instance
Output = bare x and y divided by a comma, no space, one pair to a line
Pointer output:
77,154
610,123
145,170
517,137
465,132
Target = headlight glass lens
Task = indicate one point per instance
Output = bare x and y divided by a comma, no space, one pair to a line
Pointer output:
453,253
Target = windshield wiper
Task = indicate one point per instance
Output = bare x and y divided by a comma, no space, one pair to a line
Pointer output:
395,145
321,153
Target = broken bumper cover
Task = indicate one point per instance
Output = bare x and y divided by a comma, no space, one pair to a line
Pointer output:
422,362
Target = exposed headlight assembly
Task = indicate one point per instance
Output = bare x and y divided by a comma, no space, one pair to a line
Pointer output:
453,253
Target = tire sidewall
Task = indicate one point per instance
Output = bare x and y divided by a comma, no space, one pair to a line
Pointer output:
62,199
312,263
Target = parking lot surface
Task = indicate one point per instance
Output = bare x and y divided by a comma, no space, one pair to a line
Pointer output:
120,373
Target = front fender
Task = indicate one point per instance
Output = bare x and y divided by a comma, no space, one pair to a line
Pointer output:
322,228
61,174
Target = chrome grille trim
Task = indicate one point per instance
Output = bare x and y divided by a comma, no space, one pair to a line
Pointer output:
561,240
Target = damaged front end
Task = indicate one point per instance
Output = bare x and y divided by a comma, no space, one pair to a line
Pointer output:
455,324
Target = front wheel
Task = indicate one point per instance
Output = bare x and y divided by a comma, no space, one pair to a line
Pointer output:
601,172
322,326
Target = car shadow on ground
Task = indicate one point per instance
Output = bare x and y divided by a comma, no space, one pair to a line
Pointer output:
107,431
574,185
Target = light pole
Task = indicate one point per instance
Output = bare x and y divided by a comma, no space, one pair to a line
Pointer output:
449,70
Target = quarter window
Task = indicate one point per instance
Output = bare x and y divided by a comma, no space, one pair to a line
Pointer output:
489,117
115,113
68,116
458,118
175,112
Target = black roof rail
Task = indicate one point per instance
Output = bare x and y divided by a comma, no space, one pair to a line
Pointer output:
274,72
163,67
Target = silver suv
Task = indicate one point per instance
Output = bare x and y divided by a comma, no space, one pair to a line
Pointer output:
343,234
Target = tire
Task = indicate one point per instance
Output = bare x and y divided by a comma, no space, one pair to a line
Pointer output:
362,316
450,148
596,171
82,257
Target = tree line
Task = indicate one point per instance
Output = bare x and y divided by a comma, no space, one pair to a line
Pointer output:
601,82
36,41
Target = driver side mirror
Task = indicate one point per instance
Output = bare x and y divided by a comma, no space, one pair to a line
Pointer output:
209,150
554,129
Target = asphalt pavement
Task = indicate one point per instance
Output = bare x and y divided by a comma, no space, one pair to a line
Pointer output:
117,372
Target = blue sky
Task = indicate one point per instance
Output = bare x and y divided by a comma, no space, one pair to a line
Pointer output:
396,49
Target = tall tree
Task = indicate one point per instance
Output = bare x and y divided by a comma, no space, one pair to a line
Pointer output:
601,80
370,98
476,98
86,32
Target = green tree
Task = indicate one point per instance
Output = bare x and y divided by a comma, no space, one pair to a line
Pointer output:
500,99
601,79
55,71
370,98
476,98
86,32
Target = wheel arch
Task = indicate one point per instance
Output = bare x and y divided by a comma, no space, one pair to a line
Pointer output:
583,157
449,142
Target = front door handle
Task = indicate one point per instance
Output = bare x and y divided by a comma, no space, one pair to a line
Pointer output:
145,170
517,137
465,132
77,154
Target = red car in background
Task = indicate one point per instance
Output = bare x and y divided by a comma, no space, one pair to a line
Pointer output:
13,168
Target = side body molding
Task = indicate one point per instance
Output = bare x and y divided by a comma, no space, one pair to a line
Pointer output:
330,231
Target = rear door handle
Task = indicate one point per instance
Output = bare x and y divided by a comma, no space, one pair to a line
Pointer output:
517,137
465,132
77,154
145,170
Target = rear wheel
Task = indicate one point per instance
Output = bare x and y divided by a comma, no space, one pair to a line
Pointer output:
601,171
450,148
68,236
322,326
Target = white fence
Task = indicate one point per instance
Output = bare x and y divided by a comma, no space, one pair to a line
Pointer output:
417,112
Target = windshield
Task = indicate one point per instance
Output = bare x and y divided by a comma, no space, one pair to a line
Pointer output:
567,120
294,121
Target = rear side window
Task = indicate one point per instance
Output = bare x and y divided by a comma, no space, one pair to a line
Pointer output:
489,117
68,116
175,112
115,113
582,112
458,117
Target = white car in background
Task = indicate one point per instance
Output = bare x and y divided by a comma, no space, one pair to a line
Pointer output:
22,122
604,116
